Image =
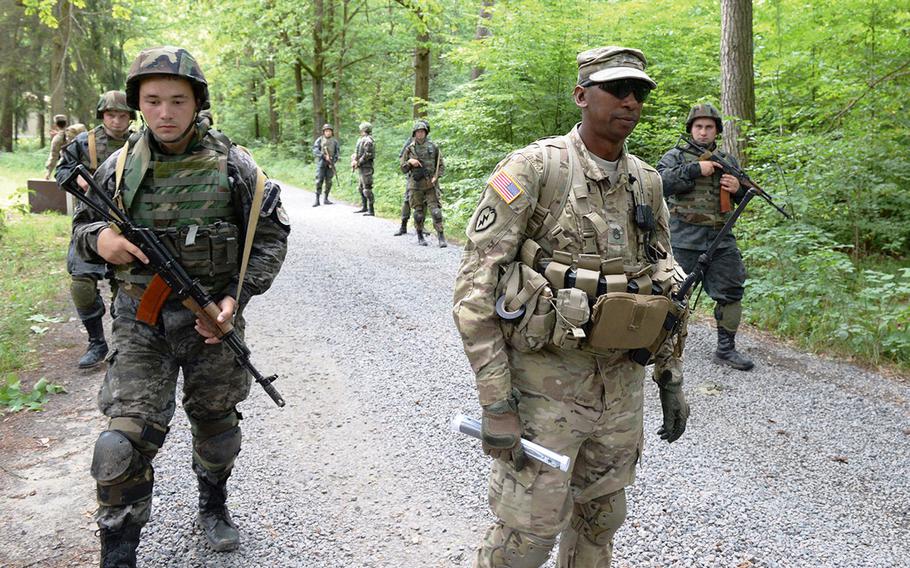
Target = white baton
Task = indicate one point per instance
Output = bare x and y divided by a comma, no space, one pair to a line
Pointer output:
471,427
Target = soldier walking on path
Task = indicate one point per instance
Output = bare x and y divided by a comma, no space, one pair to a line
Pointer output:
564,224
423,164
58,141
326,150
693,188
196,190
91,149
362,160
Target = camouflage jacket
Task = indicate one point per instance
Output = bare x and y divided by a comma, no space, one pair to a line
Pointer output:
269,245
429,155
497,231
57,143
77,151
679,176
364,152
323,146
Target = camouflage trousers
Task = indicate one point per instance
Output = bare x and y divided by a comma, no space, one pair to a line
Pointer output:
365,184
422,199
84,277
324,174
724,281
406,206
589,409
141,383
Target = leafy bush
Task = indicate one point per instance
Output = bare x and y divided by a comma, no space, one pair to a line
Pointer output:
14,399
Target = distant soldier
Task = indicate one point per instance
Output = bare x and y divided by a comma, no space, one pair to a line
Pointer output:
58,141
91,149
326,150
362,160
405,203
693,189
422,162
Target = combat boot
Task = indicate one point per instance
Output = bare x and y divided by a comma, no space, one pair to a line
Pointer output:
370,212
214,517
727,354
97,346
363,205
404,228
118,547
326,201
317,201
442,240
420,240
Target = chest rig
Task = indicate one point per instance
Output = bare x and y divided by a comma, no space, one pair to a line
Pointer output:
701,206
101,146
428,155
591,245
187,200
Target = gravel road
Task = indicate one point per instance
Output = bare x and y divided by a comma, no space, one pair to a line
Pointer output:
801,462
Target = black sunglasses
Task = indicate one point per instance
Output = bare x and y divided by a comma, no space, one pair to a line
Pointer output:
621,88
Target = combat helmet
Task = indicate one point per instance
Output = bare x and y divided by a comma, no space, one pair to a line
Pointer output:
166,60
327,126
704,110
58,118
420,125
113,100
366,127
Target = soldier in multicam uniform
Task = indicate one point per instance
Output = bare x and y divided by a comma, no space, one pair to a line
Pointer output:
362,160
58,141
195,189
562,223
326,150
693,188
91,149
423,164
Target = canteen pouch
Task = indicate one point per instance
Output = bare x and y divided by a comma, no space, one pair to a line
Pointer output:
572,313
620,320
522,288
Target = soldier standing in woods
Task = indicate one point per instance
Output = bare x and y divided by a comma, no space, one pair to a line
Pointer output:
362,160
196,190
423,164
693,187
406,202
91,149
58,141
562,224
326,150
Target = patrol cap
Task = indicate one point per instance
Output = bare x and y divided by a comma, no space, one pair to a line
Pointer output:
610,63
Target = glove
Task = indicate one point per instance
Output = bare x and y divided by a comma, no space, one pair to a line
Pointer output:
675,409
500,432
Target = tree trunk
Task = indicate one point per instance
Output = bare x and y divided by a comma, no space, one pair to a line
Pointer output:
254,97
274,134
41,126
422,67
486,15
298,91
7,119
59,56
318,72
737,94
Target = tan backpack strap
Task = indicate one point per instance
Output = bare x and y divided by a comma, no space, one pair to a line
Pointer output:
118,174
92,151
255,208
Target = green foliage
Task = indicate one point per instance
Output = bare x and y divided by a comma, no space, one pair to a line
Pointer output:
14,399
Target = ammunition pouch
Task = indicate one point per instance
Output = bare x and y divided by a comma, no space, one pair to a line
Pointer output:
418,174
574,312
524,305
620,320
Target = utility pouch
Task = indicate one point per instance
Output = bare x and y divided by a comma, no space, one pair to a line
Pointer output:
572,313
418,174
524,305
620,320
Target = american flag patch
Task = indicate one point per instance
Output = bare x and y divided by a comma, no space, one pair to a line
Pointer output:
505,186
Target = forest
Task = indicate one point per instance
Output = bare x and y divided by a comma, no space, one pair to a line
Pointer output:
816,94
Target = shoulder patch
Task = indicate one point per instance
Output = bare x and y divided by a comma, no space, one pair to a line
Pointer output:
507,188
485,219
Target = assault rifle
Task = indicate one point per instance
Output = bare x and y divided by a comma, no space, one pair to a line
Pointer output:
174,276
681,297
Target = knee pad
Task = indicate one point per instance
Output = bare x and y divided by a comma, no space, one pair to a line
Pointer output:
84,291
419,216
437,214
729,315
123,475
216,443
520,549
599,519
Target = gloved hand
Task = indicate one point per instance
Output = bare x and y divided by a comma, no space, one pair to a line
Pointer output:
676,411
500,432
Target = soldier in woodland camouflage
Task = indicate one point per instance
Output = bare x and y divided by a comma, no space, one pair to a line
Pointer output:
326,150
58,141
91,149
362,160
422,161
195,188
548,366
693,188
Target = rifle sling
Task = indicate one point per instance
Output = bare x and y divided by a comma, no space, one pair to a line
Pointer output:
255,208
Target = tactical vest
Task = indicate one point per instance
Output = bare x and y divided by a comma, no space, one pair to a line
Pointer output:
701,206
358,151
428,155
586,246
327,146
101,146
188,200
